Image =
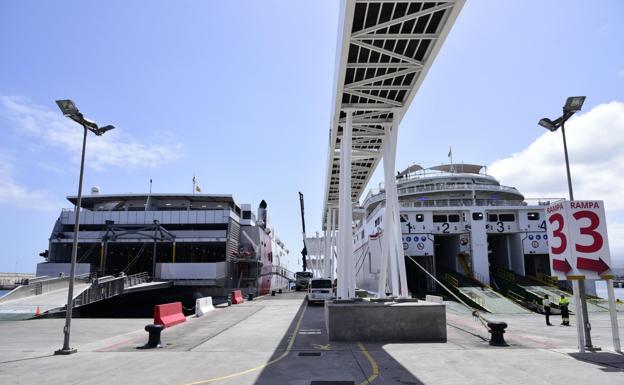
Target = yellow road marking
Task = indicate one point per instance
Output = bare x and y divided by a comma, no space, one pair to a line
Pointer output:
322,347
288,349
373,365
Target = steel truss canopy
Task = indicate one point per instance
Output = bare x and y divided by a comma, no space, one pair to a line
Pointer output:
384,53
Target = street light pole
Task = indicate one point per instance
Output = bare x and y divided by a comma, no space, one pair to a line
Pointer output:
581,283
69,110
573,104
72,270
567,162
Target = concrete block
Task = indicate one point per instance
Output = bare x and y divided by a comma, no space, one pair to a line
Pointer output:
386,322
203,306
434,298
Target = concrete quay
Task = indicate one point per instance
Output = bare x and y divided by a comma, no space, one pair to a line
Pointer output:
280,340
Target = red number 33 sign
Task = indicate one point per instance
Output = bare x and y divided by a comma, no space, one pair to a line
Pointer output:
578,237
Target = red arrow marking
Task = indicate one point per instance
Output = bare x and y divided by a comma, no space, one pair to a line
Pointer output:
561,265
599,266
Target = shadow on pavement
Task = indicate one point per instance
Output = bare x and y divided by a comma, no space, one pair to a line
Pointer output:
314,360
610,362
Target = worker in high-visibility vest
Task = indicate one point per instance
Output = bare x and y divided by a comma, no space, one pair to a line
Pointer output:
565,313
546,305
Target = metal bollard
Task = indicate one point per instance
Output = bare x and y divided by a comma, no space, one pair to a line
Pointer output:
280,291
250,297
497,329
153,340
272,293
229,299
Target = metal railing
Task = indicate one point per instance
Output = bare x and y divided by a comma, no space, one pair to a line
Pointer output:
108,286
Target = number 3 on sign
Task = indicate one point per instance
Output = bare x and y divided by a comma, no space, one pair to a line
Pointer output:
594,222
558,233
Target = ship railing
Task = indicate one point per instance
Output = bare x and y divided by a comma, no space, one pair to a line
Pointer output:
451,280
101,288
462,203
136,279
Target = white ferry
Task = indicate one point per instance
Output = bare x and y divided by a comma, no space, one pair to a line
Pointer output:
457,222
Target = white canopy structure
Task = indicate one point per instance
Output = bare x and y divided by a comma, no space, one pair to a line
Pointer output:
385,49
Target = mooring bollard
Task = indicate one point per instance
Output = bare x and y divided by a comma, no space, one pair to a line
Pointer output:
153,341
280,291
272,293
250,297
497,329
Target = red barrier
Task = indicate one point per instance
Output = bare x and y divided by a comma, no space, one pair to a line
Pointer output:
237,297
169,314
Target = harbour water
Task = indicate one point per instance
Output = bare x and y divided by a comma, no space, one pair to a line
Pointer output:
3,292
601,291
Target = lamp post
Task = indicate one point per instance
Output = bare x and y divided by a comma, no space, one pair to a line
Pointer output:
68,108
572,105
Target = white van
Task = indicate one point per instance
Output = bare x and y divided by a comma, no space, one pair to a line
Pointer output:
319,290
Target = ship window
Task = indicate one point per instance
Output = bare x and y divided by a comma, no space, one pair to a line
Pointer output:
453,218
492,218
246,214
477,216
439,218
533,216
507,217
420,217
404,218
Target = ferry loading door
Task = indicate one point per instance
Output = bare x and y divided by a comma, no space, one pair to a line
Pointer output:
446,251
499,251
536,258
420,248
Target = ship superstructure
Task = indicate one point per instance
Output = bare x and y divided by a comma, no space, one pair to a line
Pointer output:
457,220
206,243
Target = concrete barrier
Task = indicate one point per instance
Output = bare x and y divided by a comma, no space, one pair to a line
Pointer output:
203,306
434,298
387,322
237,297
169,314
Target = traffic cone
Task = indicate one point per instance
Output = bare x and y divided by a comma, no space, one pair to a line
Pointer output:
37,312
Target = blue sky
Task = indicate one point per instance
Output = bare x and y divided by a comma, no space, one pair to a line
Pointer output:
239,94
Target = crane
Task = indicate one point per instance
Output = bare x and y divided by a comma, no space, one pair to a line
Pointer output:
304,251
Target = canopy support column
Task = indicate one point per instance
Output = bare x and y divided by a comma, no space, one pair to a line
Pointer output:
346,281
392,226
329,222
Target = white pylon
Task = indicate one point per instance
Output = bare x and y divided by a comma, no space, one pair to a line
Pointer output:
392,248
346,281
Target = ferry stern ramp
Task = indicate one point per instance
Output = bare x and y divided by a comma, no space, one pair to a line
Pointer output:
47,297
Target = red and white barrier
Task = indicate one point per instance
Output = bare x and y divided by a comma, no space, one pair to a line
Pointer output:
237,297
203,306
169,314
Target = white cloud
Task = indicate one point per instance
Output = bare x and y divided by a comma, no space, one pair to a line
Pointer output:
595,146
115,148
14,194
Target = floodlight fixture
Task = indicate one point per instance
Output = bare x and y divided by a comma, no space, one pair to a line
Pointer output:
573,104
102,130
68,107
548,124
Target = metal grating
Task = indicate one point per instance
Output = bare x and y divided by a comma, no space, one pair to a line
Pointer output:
309,354
387,49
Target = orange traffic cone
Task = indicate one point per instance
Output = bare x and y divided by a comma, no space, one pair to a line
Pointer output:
37,312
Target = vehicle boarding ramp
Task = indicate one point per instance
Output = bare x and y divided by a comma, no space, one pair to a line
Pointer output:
46,296
533,291
480,296
384,51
